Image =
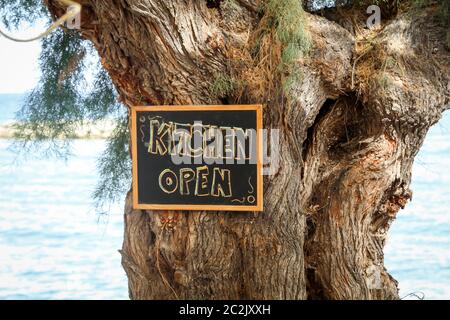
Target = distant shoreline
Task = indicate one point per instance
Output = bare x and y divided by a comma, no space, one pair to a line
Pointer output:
97,130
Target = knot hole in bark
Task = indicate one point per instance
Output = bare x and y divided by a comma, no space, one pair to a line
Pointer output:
213,4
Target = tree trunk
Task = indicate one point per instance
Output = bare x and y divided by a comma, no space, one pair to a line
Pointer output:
349,131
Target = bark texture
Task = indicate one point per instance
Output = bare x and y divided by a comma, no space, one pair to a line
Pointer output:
348,136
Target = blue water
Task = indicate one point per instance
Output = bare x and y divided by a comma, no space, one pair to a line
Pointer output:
418,250
52,243
9,105
54,246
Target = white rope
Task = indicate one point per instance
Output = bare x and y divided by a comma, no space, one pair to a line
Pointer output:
74,8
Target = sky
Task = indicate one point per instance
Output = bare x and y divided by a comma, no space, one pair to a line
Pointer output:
19,68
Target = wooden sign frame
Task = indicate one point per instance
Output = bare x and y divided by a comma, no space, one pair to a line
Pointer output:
200,207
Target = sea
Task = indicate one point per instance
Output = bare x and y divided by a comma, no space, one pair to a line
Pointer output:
54,245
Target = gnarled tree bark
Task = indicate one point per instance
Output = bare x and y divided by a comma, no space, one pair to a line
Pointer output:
348,137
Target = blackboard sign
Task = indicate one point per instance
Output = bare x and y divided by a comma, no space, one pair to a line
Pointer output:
197,157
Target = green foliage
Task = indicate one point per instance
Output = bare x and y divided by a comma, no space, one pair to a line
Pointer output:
444,13
288,19
223,85
424,3
64,99
53,109
391,3
13,12
230,4
384,81
390,63
420,3
294,77
114,167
